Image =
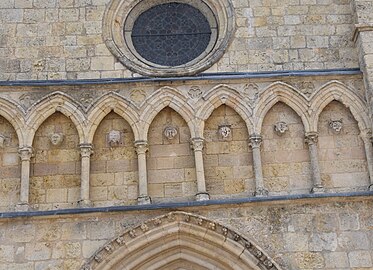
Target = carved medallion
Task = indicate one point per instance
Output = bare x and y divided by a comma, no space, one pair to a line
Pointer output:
336,125
138,96
225,131
195,92
56,139
170,132
114,138
281,127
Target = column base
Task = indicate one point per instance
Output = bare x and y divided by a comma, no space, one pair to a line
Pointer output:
261,192
318,189
21,207
203,196
143,200
85,203
370,188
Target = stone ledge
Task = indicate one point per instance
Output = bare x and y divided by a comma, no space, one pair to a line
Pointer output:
296,197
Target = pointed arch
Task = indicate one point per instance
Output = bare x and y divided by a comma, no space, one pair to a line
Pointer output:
104,105
281,92
223,94
338,91
180,236
162,98
14,114
55,102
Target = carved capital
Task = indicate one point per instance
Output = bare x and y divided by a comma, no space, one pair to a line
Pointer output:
141,147
311,138
25,153
86,149
255,141
197,144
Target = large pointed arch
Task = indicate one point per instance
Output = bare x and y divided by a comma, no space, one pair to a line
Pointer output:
223,94
162,98
180,236
338,91
104,105
14,114
55,102
281,92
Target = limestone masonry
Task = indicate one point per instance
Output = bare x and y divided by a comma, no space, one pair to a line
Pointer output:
257,154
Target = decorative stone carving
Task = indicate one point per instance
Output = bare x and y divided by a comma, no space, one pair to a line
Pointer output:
56,139
225,231
197,144
26,100
336,125
144,227
200,221
157,222
25,153
86,99
281,127
212,226
170,132
132,233
109,248
225,131
138,96
312,138
2,141
236,237
187,218
114,138
251,90
255,141
307,88
195,92
120,241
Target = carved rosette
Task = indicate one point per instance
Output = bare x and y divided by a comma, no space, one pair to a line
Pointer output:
311,138
225,131
86,150
178,217
255,141
281,127
25,153
141,147
197,144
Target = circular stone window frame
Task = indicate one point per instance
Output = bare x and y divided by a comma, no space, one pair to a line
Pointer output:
121,14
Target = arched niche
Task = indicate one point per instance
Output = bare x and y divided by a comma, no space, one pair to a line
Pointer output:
114,176
285,156
55,168
170,161
178,240
227,160
10,166
342,158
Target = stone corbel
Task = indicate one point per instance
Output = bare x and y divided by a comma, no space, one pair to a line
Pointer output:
197,146
255,142
141,149
311,138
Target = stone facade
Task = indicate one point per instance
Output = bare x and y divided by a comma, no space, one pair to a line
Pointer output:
268,170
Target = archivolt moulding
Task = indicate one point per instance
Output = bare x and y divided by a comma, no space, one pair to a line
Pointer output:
184,238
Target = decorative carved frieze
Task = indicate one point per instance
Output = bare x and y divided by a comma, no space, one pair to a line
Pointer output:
281,127
336,125
170,132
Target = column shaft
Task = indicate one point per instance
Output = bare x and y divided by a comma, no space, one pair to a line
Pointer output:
25,154
197,146
85,152
141,148
311,140
255,143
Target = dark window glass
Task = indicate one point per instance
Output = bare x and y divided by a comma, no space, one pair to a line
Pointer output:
171,34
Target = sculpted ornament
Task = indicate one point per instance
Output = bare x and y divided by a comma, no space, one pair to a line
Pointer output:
336,125
225,131
281,127
138,96
114,138
170,132
195,92
56,139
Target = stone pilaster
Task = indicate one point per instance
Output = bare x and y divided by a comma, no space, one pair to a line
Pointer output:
141,149
25,154
367,138
86,150
311,139
255,141
197,146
